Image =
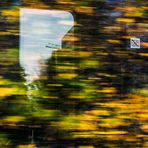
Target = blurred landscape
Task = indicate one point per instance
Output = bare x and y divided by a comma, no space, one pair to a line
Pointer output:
93,93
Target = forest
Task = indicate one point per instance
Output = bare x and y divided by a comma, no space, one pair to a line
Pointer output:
92,93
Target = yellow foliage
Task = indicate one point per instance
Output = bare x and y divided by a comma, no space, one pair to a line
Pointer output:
112,132
143,54
7,91
69,2
94,134
133,11
71,39
87,122
9,32
88,146
82,9
128,37
87,125
55,85
111,29
66,67
102,53
144,45
99,112
106,75
125,20
84,122
84,53
143,116
12,120
114,41
116,137
66,75
11,15
117,104
3,81
68,123
89,63
107,90
77,96
66,53
27,146
35,4
144,128
112,123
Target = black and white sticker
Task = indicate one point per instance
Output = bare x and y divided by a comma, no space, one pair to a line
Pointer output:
135,43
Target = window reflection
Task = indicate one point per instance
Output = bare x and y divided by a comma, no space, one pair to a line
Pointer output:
41,33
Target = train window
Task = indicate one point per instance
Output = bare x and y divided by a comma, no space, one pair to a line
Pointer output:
73,73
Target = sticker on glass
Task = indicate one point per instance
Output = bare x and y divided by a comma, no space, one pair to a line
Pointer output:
135,43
